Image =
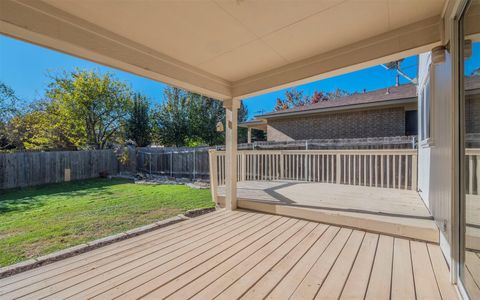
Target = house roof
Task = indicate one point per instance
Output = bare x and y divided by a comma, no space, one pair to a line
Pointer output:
472,83
255,124
402,94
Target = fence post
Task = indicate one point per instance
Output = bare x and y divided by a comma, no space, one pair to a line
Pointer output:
212,159
150,163
194,163
337,168
171,164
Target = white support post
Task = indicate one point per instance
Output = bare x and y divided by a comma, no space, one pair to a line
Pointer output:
231,111
249,135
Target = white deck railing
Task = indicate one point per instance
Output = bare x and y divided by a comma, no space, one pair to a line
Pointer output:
472,166
376,168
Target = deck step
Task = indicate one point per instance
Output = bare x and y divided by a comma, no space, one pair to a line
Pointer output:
413,228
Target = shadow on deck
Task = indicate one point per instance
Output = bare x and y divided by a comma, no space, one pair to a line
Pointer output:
389,211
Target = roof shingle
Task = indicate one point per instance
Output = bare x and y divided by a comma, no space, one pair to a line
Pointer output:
392,93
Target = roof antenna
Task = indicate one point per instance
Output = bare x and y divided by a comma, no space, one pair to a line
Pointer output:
395,65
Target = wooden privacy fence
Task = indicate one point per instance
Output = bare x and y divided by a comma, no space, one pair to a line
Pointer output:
184,163
35,168
377,168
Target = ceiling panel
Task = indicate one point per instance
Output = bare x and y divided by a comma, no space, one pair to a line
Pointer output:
190,31
235,39
244,61
338,26
265,16
404,12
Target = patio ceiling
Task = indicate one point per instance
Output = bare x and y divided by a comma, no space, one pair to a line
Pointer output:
229,48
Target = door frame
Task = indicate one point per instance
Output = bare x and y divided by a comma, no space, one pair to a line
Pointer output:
459,165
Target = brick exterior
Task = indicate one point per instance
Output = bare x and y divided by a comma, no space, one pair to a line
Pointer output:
353,124
472,113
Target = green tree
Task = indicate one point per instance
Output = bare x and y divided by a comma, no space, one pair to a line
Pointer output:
91,108
189,119
8,103
170,119
9,109
242,117
138,126
204,114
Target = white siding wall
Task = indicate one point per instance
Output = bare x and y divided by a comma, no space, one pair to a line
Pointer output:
436,159
423,150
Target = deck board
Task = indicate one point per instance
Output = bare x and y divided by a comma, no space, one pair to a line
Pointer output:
403,284
247,255
379,286
357,282
90,274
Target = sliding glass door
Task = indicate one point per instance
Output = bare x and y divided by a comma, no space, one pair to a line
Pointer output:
470,121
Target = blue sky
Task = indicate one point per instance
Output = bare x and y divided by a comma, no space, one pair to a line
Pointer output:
25,68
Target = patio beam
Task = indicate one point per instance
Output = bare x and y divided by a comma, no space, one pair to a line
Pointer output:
42,24
231,118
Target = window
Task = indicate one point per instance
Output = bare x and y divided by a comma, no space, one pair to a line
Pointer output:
411,122
424,99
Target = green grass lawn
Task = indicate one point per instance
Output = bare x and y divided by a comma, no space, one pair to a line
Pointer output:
40,220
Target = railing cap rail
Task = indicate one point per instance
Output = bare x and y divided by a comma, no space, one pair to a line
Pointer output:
340,151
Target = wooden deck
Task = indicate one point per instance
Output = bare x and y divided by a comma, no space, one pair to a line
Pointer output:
382,210
242,254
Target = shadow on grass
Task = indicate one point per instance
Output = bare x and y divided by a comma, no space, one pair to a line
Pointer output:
33,197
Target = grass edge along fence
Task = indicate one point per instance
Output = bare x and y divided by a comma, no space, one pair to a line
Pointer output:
25,169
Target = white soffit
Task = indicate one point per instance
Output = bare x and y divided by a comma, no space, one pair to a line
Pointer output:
219,43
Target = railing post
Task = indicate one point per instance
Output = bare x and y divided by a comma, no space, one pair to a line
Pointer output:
282,166
414,172
244,167
212,159
337,168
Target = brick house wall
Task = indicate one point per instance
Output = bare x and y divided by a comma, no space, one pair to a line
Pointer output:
353,124
472,116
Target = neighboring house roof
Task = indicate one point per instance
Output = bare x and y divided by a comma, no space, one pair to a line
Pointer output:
255,124
402,94
396,95
472,83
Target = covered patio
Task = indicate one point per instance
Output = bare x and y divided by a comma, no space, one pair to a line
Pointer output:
351,221
248,255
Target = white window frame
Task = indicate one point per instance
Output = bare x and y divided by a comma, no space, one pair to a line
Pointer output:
426,110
